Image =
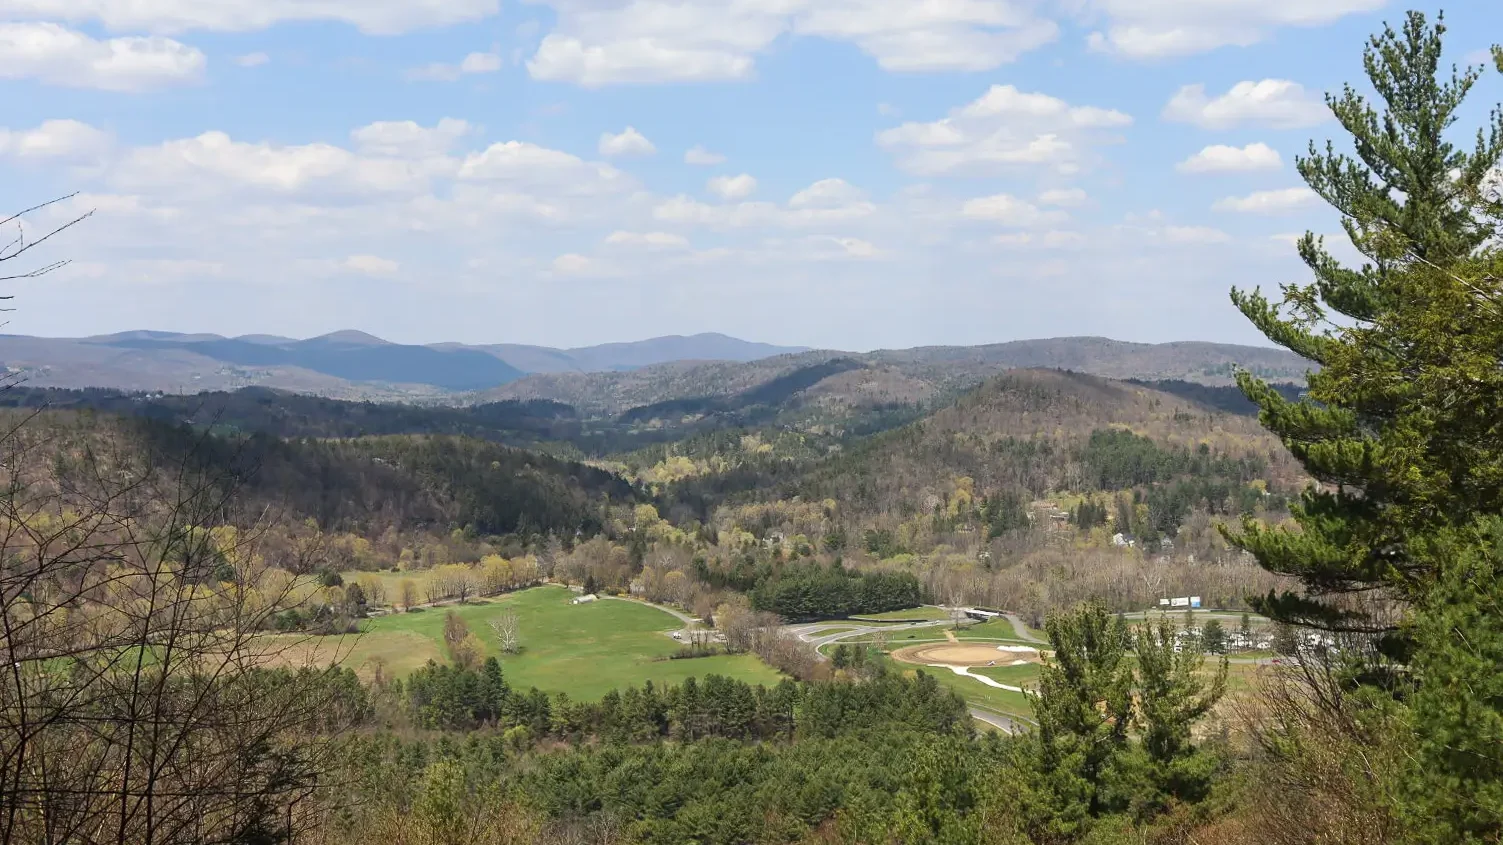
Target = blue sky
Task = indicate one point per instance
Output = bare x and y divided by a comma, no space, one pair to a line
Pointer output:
838,173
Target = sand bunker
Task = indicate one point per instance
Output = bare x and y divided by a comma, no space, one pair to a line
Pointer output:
966,654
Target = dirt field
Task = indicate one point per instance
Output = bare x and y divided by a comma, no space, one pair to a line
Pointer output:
964,654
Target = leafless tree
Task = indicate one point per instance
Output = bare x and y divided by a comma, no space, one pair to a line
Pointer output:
136,705
508,628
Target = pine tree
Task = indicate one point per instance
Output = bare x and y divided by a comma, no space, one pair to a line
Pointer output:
1172,697
1410,200
1083,708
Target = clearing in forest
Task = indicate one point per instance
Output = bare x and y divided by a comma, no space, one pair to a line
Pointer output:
583,650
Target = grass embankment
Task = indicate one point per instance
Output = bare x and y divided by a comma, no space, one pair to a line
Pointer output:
583,650
912,614
992,629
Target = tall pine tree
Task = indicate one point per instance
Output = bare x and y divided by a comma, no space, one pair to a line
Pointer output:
1409,198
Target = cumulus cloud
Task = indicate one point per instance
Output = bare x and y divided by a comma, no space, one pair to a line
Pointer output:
56,55
1004,129
1168,28
1219,158
1274,103
370,265
826,202
409,138
1195,235
1052,239
1009,210
701,157
1064,197
375,17
732,187
471,64
629,142
1280,201
56,140
642,41
647,240
573,264
519,161
829,194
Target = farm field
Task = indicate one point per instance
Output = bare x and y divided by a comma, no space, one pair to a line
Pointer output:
583,650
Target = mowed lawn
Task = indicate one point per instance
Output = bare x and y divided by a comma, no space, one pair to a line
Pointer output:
583,650
992,629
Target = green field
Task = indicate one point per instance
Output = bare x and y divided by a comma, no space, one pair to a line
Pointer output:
1025,675
973,691
992,629
912,614
584,650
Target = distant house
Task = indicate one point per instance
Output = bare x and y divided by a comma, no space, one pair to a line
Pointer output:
1123,541
584,599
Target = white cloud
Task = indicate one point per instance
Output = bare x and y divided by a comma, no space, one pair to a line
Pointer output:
56,139
59,56
602,42
829,194
1274,103
647,240
370,265
846,248
1008,210
1004,129
1052,239
1195,235
826,202
471,64
214,160
573,264
701,157
408,138
1219,158
375,17
1163,28
1064,197
629,142
1280,201
519,161
732,188
252,59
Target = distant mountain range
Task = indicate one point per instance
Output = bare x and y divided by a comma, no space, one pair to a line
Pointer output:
608,378
345,363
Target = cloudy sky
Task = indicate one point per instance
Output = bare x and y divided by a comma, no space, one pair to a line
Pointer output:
836,173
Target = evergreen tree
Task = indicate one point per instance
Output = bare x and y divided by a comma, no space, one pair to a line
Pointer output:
1409,200
1213,637
1454,793
1083,708
1173,695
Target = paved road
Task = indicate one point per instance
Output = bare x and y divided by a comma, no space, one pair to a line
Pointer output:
809,631
1023,632
1007,724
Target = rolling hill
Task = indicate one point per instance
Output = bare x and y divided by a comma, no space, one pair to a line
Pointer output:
344,364
908,376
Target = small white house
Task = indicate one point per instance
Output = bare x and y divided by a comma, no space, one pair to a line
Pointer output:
585,599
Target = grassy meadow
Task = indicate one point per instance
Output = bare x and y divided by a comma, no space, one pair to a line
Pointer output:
583,650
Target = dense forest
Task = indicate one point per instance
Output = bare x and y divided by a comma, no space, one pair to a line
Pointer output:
178,585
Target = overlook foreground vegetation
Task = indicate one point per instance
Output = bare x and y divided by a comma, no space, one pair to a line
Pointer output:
255,618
